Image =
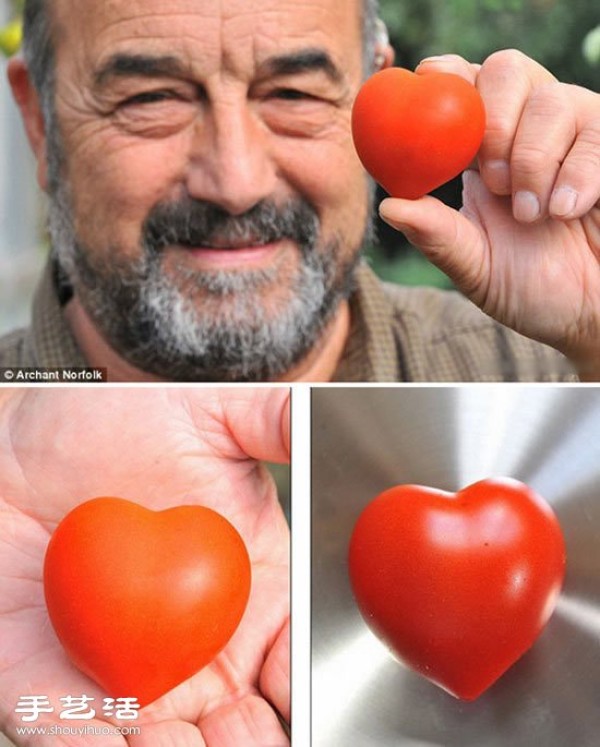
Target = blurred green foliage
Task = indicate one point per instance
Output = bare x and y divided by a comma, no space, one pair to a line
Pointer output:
563,35
550,31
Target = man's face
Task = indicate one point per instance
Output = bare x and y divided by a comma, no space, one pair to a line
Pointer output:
210,184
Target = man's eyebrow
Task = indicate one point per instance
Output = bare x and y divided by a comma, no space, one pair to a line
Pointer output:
304,61
123,65
138,65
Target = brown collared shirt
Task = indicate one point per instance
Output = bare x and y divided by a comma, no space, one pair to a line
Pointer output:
397,334
426,334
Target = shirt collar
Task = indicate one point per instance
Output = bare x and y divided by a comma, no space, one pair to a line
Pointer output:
50,341
371,353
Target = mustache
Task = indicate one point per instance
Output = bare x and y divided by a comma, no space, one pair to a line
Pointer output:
191,222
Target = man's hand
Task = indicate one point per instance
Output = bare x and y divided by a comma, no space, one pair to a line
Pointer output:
525,247
160,448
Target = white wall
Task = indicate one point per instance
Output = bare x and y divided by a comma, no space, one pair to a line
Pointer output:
21,244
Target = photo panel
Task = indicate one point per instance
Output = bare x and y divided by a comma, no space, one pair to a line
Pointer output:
144,565
490,591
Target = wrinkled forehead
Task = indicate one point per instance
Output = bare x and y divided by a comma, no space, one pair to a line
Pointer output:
215,34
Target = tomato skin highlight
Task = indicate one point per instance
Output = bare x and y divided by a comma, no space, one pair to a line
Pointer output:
458,586
414,132
141,600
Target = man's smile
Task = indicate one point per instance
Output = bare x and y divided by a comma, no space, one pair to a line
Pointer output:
222,254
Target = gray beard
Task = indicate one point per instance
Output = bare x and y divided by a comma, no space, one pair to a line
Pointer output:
204,326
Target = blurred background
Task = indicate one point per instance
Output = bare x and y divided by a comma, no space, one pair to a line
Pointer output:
22,243
564,35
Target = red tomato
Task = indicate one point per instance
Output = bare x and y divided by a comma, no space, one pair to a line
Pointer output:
458,586
415,132
142,600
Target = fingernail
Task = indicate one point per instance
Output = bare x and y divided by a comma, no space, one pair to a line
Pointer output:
498,176
398,225
436,58
526,207
563,201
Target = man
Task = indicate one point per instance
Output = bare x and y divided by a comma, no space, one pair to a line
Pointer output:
207,207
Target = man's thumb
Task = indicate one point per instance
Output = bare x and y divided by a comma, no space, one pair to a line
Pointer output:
446,237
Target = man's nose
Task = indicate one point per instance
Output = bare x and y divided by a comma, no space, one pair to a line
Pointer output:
231,163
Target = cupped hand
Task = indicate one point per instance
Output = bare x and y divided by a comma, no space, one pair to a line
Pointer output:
525,247
159,447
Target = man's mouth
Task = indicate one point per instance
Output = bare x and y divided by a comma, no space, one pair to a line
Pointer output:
249,242
220,253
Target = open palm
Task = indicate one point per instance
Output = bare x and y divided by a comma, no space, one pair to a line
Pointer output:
160,448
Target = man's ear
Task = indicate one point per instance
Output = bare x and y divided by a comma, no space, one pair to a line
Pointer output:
386,57
384,52
29,104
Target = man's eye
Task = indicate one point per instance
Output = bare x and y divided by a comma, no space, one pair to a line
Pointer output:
149,97
291,94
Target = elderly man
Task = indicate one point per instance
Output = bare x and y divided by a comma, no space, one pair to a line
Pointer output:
207,208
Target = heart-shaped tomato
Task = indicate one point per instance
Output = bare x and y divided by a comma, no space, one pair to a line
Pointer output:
141,600
458,586
414,132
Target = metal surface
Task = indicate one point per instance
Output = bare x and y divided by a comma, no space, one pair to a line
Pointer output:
366,440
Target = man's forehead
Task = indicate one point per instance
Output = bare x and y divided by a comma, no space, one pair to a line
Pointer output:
212,22
208,37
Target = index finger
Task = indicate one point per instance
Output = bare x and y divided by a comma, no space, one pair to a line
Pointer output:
505,82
